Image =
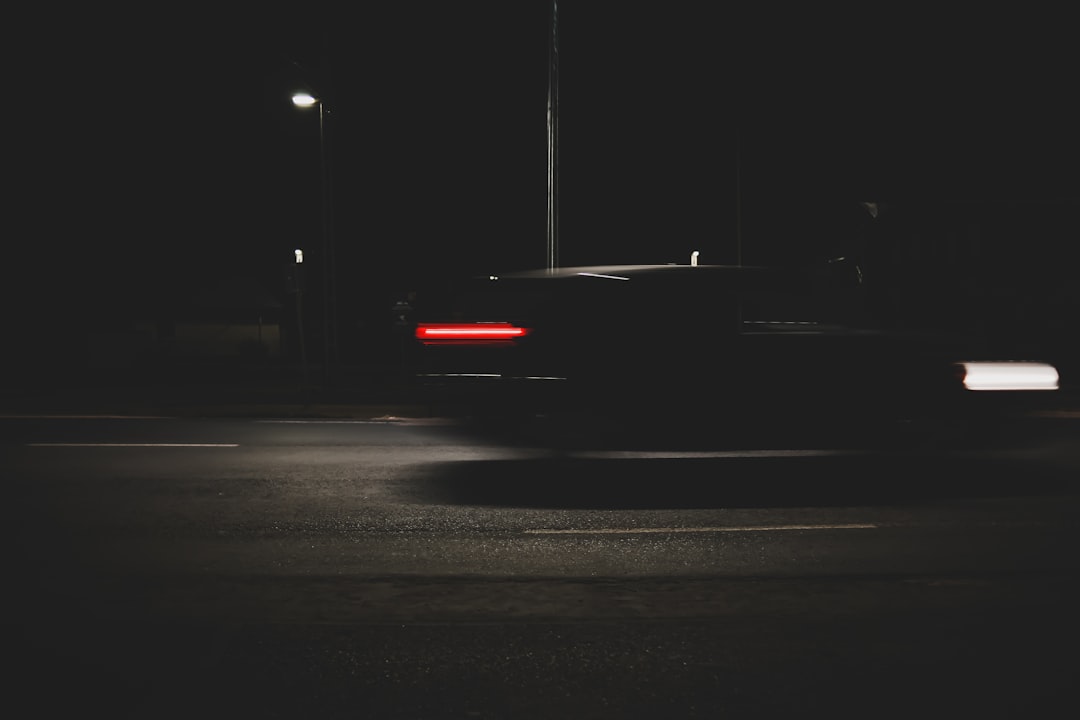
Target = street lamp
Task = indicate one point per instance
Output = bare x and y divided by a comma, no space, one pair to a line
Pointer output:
307,100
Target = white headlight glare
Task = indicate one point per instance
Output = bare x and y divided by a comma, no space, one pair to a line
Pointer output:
989,376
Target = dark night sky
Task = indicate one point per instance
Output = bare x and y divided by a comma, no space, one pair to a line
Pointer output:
160,152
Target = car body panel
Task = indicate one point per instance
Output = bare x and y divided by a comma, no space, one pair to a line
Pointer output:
739,344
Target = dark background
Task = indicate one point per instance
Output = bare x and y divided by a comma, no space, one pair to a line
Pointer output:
157,155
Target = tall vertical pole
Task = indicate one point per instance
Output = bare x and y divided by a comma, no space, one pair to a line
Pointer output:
325,246
331,240
326,142
738,197
553,140
738,220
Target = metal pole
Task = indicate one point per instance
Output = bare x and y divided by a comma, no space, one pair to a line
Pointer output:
331,241
325,248
553,141
303,344
738,223
738,197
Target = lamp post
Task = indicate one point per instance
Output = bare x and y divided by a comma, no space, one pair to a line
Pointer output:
553,140
306,100
298,289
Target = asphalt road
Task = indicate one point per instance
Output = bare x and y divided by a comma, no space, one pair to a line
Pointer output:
407,568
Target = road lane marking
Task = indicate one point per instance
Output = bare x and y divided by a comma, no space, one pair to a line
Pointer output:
316,421
170,445
72,416
665,530
711,454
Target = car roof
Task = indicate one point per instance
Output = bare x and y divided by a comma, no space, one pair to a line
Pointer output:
628,272
744,277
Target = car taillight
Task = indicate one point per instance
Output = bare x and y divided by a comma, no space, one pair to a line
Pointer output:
469,333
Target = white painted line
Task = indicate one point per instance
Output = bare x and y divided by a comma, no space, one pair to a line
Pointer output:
315,421
676,454
74,416
666,530
170,445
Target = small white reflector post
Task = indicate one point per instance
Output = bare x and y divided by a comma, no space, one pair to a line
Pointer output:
1009,376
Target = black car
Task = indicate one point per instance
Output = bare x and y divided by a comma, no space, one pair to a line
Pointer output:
707,350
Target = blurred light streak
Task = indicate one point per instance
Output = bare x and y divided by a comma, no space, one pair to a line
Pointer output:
1009,376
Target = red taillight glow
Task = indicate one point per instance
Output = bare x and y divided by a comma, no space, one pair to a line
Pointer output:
468,332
